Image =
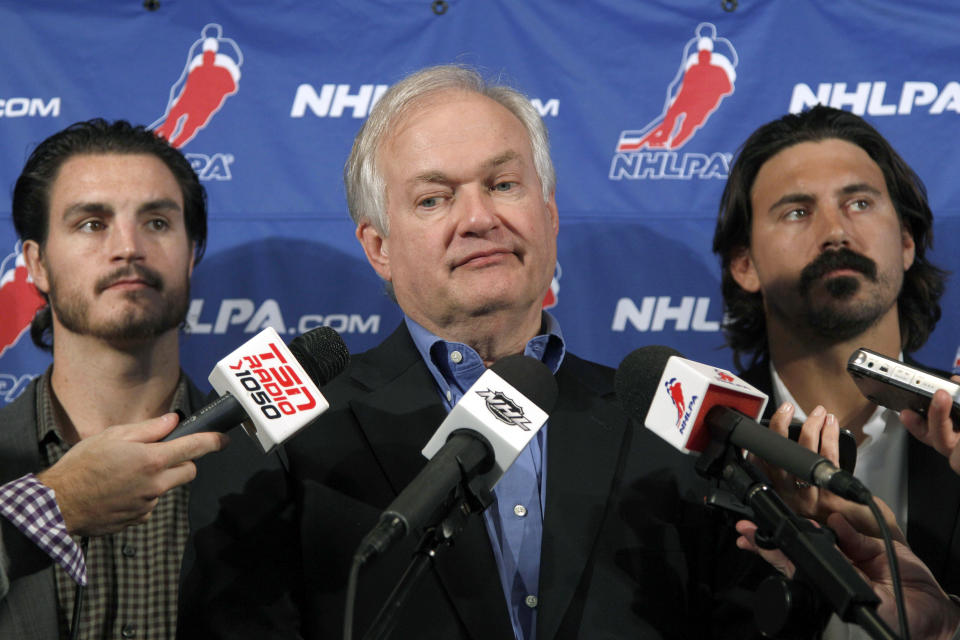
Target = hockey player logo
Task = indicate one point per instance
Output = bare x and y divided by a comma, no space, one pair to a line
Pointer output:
210,76
552,296
706,75
19,299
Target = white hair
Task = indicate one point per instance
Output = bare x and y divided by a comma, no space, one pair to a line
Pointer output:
365,186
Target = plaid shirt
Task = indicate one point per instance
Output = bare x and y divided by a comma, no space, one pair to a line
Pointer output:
132,577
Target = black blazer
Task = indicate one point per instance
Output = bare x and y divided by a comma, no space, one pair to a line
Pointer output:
933,495
628,550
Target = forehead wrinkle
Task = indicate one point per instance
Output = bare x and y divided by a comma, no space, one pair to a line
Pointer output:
858,187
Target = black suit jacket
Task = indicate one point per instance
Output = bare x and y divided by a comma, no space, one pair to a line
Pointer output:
933,495
628,550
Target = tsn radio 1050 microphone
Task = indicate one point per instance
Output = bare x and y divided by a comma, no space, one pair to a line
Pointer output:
476,443
270,388
688,404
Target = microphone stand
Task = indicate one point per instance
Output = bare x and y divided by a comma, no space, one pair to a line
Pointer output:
477,498
823,573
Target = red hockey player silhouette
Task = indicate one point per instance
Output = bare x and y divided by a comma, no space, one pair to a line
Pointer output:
676,394
19,300
705,77
208,79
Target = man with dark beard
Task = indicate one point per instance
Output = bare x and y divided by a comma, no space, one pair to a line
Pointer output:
112,220
822,233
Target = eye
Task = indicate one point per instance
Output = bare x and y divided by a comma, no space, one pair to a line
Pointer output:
429,203
796,214
158,224
504,186
860,204
91,226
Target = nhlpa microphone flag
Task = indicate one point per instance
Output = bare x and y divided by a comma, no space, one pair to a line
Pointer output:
687,391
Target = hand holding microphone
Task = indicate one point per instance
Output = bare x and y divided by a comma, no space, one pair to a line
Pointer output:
270,388
688,404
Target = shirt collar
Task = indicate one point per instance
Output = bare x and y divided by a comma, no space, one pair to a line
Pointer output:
49,431
881,420
458,365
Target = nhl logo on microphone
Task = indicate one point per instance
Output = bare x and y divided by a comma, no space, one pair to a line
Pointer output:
504,409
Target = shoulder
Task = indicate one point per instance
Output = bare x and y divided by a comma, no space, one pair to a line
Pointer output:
593,376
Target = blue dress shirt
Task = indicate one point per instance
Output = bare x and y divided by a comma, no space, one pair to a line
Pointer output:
515,519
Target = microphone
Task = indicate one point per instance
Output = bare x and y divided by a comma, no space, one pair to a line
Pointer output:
688,404
270,388
476,443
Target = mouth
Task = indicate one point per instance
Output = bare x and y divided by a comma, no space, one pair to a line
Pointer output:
135,278
128,284
480,259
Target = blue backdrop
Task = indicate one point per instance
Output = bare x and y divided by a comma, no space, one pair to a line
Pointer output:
265,98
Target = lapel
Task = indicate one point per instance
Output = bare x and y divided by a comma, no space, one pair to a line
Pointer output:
398,416
28,611
584,444
933,496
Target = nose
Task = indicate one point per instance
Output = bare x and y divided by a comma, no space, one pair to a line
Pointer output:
833,228
126,243
478,214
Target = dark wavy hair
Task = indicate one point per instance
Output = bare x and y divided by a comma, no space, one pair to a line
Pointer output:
31,194
918,304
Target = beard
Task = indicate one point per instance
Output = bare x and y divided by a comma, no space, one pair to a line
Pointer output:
833,313
137,321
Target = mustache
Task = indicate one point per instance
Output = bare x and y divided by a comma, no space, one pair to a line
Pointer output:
832,260
149,277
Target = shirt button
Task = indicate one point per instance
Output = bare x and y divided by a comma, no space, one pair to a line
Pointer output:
130,631
531,601
128,551
456,356
520,510
449,396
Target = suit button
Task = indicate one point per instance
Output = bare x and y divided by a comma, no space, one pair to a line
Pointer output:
128,551
520,511
128,631
531,601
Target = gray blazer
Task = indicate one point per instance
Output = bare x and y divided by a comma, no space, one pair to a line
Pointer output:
28,595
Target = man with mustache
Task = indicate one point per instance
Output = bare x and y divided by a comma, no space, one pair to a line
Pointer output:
112,220
823,233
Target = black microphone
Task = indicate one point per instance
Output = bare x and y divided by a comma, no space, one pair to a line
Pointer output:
688,404
478,440
270,388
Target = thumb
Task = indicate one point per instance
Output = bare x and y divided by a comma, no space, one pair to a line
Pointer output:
152,430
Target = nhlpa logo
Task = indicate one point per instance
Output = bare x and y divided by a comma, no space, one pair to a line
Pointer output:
684,409
550,300
19,299
504,409
675,391
723,376
211,75
705,76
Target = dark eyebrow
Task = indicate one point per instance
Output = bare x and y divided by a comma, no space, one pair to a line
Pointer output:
857,188
792,198
87,208
162,204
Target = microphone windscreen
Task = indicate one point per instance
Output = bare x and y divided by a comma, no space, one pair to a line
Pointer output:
322,353
530,377
638,375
